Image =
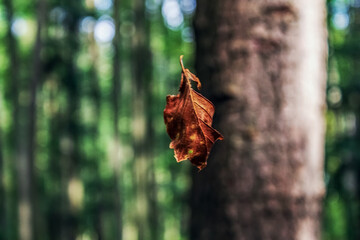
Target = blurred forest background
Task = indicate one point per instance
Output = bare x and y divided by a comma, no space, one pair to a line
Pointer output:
83,148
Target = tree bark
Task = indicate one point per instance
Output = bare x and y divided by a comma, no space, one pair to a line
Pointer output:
263,63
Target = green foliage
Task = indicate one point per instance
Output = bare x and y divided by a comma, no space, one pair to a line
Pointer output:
342,166
80,186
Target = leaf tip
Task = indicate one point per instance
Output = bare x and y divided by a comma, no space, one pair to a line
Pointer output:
181,63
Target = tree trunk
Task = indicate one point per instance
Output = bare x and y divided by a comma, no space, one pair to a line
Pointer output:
71,157
116,107
2,189
32,113
12,96
142,129
263,63
27,141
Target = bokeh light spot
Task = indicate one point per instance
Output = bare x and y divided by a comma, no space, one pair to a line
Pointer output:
87,25
187,34
340,20
334,95
103,5
188,6
152,6
172,14
58,15
19,27
104,31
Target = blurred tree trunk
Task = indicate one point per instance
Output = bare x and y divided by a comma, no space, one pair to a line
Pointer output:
354,37
348,51
12,96
71,158
264,66
2,190
36,77
27,140
142,128
94,93
116,90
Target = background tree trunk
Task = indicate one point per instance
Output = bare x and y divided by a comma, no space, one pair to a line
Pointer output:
36,78
70,138
12,96
116,108
142,131
27,140
2,190
264,66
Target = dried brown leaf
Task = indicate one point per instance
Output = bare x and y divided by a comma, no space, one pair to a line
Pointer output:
188,117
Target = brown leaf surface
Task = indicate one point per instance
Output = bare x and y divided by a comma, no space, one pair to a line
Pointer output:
188,117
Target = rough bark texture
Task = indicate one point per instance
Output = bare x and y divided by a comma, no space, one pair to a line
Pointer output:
264,66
